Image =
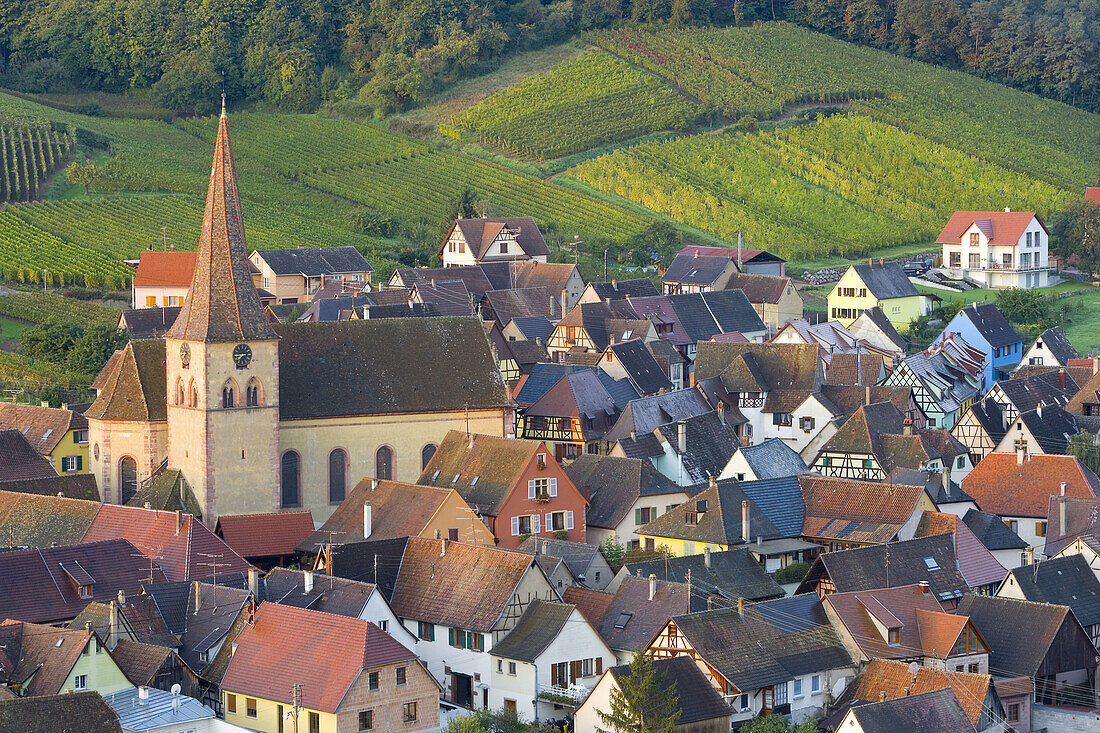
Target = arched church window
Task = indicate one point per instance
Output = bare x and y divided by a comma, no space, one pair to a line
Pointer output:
337,475
229,395
252,393
193,394
383,463
291,479
179,391
426,454
127,479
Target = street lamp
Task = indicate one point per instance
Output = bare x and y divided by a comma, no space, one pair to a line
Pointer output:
43,279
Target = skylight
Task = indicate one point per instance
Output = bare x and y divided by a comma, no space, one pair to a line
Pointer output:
931,563
623,620
47,433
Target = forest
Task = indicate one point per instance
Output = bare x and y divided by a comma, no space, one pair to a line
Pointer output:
382,56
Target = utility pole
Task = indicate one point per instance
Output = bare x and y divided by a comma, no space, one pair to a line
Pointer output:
605,265
164,236
296,699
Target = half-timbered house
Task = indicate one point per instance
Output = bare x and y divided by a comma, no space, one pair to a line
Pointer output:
945,381
592,327
778,656
1054,388
981,427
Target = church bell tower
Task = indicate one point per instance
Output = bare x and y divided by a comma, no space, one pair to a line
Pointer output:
223,365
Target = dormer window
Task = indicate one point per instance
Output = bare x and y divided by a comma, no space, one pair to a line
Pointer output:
893,637
691,519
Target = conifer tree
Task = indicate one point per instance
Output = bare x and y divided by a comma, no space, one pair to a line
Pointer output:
641,703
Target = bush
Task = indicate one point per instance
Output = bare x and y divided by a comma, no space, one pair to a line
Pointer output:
792,573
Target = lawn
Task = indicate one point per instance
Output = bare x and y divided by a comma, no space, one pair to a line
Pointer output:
990,295
10,329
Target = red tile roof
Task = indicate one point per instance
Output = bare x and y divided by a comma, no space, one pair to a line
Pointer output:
165,269
184,553
1001,227
1092,193
265,535
895,680
923,627
1001,485
322,652
43,427
976,563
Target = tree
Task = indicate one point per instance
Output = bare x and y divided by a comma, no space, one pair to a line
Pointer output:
83,173
778,724
90,352
492,721
613,552
51,340
1082,446
1024,306
1075,234
642,702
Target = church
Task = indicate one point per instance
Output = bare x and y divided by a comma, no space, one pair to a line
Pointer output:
232,414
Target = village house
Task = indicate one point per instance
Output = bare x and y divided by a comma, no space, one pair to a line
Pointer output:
982,427
883,285
1044,430
998,249
386,510
598,292
632,360
480,241
1018,487
939,710
1067,581
573,415
874,329
1001,542
751,261
702,710
150,710
266,540
722,578
61,435
21,461
843,513
1070,519
861,368
884,678
945,379
515,486
695,273
586,562
774,298
907,624
335,673
981,570
162,278
294,275
629,618
592,327
245,412
739,649
547,658
52,661
771,459
1052,348
535,328
690,452
984,327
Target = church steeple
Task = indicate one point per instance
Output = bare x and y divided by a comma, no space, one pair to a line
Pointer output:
222,304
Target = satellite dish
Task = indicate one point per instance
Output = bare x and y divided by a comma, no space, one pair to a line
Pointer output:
913,668
176,688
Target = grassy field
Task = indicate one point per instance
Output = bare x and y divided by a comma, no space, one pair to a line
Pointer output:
10,329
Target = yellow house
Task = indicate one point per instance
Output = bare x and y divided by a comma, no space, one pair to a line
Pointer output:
53,661
58,434
717,519
315,672
884,285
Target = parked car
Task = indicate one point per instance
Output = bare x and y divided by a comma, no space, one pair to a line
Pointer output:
917,268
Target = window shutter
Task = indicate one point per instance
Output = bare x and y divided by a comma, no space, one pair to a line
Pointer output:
549,522
531,489
535,522
515,526
599,665
450,636
79,462
553,487
569,520
638,517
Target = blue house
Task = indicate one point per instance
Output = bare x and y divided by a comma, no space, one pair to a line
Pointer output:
983,326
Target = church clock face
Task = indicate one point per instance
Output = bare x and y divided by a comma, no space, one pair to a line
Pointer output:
242,355
185,355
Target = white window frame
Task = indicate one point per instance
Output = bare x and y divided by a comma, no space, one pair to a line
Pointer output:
80,682
815,684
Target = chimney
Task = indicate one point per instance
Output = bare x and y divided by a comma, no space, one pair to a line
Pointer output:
652,586
924,588
179,521
112,629
633,435
881,262
696,254
196,591
1061,377
373,484
143,694
907,426
946,476
564,302
122,593
614,285
870,262
443,547
307,581
1021,451
745,536
867,395
706,556
721,412
367,527
546,547
1030,555
1039,410
1061,486
254,583
882,696
1062,516
741,608
681,429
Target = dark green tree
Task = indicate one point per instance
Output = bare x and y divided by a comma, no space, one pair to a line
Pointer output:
1082,446
51,340
1025,306
641,703
90,352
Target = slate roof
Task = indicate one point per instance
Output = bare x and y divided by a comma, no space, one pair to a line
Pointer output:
646,414
703,315
451,298
264,535
140,662
939,710
773,458
690,269
473,276
19,460
488,468
933,484
1002,485
638,288
730,575
633,619
222,304
591,395
1048,388
1064,581
577,556
991,531
886,281
79,712
138,612
397,510
29,520
720,506
149,323
535,630
851,368
780,500
853,510
42,653
1051,426
1001,622
613,484
134,385
329,594
322,652
991,324
847,399
865,568
534,327
696,698
1001,227
506,305
158,709
35,585
1054,339
396,365
710,443
746,254
181,549
894,678
480,233
976,563
774,642
200,625
641,368
314,261
658,309
468,588
991,416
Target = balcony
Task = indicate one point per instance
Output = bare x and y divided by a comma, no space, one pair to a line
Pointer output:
1002,267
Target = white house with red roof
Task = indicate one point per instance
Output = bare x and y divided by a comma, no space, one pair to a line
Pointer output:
163,278
999,249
